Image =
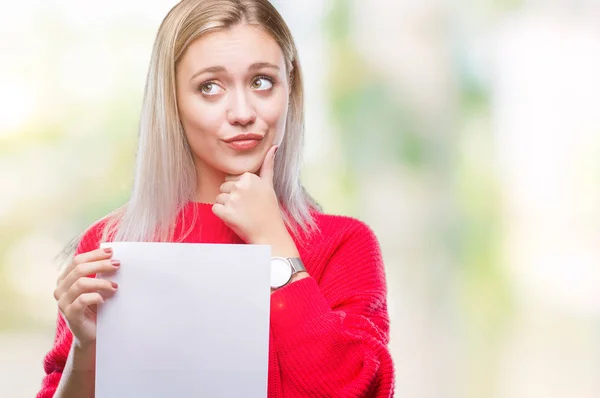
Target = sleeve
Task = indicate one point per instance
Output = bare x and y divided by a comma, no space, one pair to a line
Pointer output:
331,337
56,358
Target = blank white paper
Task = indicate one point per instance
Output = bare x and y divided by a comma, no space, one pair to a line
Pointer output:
188,320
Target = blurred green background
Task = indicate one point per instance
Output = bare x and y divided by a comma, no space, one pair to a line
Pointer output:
466,134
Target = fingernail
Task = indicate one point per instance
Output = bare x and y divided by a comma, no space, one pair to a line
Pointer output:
115,263
108,250
276,149
114,285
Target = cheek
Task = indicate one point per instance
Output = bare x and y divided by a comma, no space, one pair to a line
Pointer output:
200,120
274,114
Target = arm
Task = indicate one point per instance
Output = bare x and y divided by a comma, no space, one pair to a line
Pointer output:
70,364
78,375
70,368
332,337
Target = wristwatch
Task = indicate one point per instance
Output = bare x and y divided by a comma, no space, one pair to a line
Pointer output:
282,270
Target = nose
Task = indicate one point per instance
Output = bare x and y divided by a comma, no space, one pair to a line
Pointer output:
241,111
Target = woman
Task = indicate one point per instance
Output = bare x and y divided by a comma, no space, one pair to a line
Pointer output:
218,161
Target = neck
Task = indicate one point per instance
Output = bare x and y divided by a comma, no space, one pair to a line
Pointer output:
208,184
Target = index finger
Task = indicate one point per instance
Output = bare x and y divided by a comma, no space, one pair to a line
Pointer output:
87,257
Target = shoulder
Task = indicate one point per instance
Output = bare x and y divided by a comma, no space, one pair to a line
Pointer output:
91,237
345,254
332,224
338,231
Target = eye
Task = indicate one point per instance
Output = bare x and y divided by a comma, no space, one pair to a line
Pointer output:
262,83
211,88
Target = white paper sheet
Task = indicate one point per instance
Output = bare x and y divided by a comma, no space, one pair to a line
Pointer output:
188,320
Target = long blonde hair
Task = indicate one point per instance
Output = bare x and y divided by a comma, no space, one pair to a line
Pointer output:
165,176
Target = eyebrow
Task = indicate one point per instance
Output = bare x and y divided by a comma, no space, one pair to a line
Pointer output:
219,68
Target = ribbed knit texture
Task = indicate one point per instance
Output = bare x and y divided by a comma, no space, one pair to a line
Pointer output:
329,332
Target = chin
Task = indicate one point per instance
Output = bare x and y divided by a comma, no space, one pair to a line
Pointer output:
241,166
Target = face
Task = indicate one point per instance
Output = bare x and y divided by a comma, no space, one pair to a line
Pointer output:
232,93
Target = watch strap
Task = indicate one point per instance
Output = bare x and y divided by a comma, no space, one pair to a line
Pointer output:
297,264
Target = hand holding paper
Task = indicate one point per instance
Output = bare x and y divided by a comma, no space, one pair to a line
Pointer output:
78,294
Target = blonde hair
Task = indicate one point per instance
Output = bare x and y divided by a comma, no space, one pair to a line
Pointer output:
165,176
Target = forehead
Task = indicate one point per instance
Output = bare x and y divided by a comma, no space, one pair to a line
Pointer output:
235,48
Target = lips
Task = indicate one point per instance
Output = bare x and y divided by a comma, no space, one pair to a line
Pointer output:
244,137
244,142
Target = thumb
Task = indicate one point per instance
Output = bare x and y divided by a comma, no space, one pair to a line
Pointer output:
266,170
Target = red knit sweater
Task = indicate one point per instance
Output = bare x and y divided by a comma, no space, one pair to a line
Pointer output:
329,332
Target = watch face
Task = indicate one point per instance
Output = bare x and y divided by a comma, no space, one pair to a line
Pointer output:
281,272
